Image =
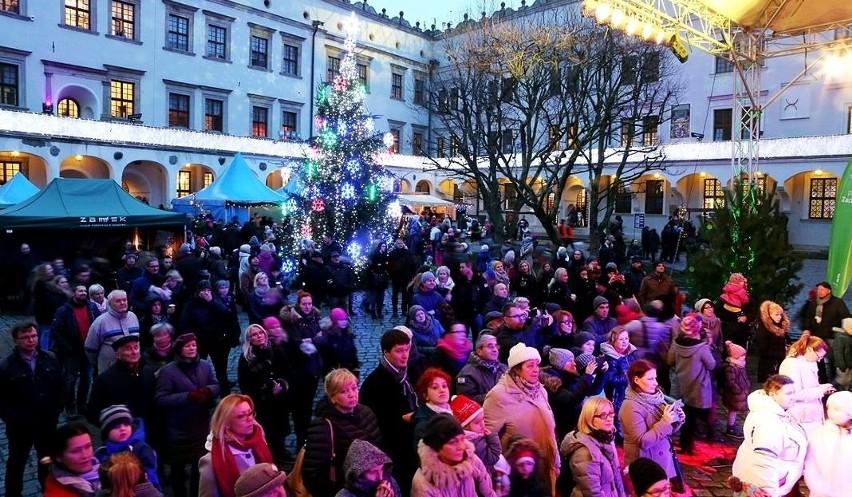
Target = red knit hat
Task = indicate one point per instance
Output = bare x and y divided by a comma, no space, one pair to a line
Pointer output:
465,409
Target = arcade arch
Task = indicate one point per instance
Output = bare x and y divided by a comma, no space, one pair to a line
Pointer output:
147,181
85,167
86,101
32,166
193,177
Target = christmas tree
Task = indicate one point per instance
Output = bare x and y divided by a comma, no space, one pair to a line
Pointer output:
748,235
344,191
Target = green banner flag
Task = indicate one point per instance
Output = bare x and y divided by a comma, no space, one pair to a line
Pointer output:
839,271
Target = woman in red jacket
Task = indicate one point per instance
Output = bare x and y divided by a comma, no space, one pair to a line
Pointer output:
74,469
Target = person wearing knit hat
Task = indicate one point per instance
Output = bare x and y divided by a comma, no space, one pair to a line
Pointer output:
559,358
448,464
471,416
700,303
599,301
829,450
523,456
584,343
518,406
520,354
735,387
465,410
600,323
694,364
367,471
427,296
261,480
120,433
649,478
338,314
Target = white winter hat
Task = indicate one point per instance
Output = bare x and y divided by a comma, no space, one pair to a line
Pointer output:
520,353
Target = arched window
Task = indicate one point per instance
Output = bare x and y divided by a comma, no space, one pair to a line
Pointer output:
68,108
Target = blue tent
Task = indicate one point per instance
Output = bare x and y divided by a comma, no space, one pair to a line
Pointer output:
233,193
16,190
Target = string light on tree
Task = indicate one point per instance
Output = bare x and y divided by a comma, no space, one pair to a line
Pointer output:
344,193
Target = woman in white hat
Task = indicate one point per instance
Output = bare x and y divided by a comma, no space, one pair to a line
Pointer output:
830,450
517,405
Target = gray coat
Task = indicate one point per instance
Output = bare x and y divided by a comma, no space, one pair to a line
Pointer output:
475,380
594,465
694,363
645,435
186,422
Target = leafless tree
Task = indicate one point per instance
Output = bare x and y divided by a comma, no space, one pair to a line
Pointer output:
524,104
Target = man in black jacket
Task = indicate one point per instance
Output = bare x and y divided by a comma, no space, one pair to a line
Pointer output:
819,316
401,270
70,324
389,393
128,382
31,389
470,295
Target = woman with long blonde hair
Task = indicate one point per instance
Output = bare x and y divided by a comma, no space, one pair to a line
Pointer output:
237,444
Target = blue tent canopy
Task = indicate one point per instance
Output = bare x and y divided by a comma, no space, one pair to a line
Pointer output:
232,194
16,190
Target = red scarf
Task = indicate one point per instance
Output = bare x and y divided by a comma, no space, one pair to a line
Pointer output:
224,466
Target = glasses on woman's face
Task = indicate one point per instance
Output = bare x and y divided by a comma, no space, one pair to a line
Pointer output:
566,321
605,415
660,489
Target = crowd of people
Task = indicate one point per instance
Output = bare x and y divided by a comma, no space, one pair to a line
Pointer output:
504,375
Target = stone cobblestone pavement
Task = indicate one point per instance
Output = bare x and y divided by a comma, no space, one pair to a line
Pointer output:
706,471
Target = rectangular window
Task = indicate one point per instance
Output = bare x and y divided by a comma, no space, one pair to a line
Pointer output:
454,98
623,199
654,196
362,75
417,143
178,110
177,36
628,133
78,13
259,121
217,37
8,169
184,183
290,64
395,147
259,52
822,197
396,86
288,122
650,131
714,196
123,19
507,141
420,91
722,124
454,146
122,98
10,6
510,197
441,146
9,84
214,112
628,69
332,68
208,180
443,101
723,65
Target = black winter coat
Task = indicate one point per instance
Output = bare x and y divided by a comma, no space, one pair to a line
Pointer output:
67,339
119,384
31,398
256,377
207,320
566,393
320,455
833,312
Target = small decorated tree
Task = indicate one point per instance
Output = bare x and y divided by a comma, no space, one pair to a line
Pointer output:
748,234
344,191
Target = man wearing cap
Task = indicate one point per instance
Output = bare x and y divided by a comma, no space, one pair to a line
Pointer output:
516,328
657,286
340,280
127,382
600,323
31,389
482,370
261,480
117,322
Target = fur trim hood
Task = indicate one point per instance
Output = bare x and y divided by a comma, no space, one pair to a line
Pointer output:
779,329
289,315
442,476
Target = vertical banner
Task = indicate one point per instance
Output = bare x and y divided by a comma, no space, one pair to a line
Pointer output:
839,271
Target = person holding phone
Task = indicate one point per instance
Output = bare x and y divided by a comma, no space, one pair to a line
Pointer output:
801,367
649,418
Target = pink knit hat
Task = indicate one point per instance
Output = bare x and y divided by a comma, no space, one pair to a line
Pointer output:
338,314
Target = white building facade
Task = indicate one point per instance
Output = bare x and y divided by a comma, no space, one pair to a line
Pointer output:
159,95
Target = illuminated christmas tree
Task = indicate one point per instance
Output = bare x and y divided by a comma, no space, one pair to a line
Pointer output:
344,189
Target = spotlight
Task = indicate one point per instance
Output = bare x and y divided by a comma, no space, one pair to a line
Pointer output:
617,18
678,49
632,26
661,37
648,31
602,12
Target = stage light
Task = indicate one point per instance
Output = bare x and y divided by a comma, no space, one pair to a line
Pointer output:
602,12
632,26
661,37
678,49
648,31
617,18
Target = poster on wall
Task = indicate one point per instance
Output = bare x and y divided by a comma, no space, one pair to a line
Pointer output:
680,121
